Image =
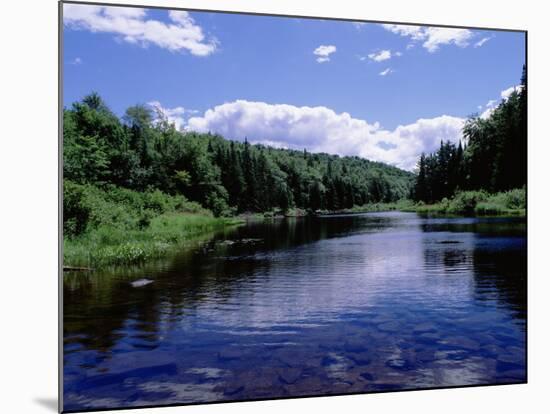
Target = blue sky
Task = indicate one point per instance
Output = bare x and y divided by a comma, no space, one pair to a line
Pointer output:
379,91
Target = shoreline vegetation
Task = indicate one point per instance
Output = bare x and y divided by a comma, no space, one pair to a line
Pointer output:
126,227
464,203
116,226
136,188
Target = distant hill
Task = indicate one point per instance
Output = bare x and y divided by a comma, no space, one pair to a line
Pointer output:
141,152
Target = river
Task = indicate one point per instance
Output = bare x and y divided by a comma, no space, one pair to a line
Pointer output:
305,306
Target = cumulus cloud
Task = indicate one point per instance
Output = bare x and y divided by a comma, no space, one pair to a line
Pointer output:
414,32
320,129
132,25
323,53
505,94
358,25
432,37
380,56
386,72
175,116
493,103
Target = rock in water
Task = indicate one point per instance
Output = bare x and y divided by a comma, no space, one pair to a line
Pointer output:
141,282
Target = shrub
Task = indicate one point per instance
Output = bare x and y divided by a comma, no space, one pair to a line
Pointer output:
465,202
86,207
76,212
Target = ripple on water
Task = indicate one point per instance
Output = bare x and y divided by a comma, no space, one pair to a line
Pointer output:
366,303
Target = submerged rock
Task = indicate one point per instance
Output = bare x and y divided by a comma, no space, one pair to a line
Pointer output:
233,389
141,282
360,358
290,375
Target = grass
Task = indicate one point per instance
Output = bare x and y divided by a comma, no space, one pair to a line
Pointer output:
111,226
108,245
116,226
400,205
479,203
464,203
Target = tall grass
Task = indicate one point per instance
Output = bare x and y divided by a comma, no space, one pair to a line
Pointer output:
114,226
512,202
110,245
400,205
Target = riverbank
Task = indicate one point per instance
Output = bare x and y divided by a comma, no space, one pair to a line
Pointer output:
479,203
116,226
113,246
464,203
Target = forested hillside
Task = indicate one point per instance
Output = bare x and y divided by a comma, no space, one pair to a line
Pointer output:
144,152
134,186
493,158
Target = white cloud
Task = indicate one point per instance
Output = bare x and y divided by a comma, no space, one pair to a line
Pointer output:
414,32
174,116
487,113
131,25
505,94
323,53
386,72
380,56
493,103
482,42
398,54
437,36
75,61
359,25
320,129
432,37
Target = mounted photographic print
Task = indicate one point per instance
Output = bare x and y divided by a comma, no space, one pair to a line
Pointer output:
259,207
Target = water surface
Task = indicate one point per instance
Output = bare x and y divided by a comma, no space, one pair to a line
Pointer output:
306,306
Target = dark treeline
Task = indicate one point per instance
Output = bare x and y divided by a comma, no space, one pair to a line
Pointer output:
143,151
494,156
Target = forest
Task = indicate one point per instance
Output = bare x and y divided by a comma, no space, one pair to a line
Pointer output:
491,158
143,152
134,185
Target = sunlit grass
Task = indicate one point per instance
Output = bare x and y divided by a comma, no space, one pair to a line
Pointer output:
481,203
109,245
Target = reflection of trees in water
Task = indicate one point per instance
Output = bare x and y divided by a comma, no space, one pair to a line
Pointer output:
96,314
102,308
495,254
505,273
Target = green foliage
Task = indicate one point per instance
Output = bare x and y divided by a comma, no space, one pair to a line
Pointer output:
143,152
508,202
87,207
114,245
76,211
112,225
465,202
511,202
494,158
